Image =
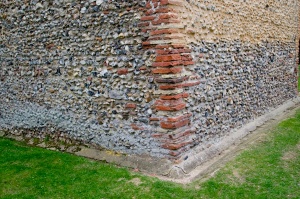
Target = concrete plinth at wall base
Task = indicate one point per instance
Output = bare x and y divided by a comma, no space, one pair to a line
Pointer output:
199,163
203,164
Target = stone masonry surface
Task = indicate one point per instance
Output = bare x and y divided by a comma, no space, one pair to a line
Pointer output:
78,66
156,77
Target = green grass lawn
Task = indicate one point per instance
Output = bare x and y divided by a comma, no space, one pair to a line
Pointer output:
270,169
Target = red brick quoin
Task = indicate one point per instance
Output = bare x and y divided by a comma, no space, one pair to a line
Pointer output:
162,23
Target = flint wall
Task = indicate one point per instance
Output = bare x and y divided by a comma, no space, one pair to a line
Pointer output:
157,77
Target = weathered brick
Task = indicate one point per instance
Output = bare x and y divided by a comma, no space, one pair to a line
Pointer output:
172,51
122,71
136,127
177,153
174,125
185,133
176,122
144,24
163,31
170,81
166,58
169,105
176,146
130,105
174,97
173,70
159,10
148,18
180,134
189,84
168,16
146,43
164,21
186,57
186,63
154,119
167,64
178,118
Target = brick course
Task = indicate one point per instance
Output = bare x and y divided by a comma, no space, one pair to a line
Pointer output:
172,57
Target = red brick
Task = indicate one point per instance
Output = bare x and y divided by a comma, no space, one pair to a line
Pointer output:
163,46
154,119
164,31
144,24
164,2
167,64
178,46
170,81
168,16
175,146
182,85
148,18
165,21
187,63
176,122
146,29
136,127
172,51
157,38
186,57
163,58
171,140
169,105
165,37
122,71
175,153
178,118
171,108
178,152
173,70
130,105
146,43
143,68
185,95
174,125
184,134
174,97
170,86
174,137
171,46
149,5
157,135
190,84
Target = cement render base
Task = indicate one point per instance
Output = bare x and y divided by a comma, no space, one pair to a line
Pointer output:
204,164
197,164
